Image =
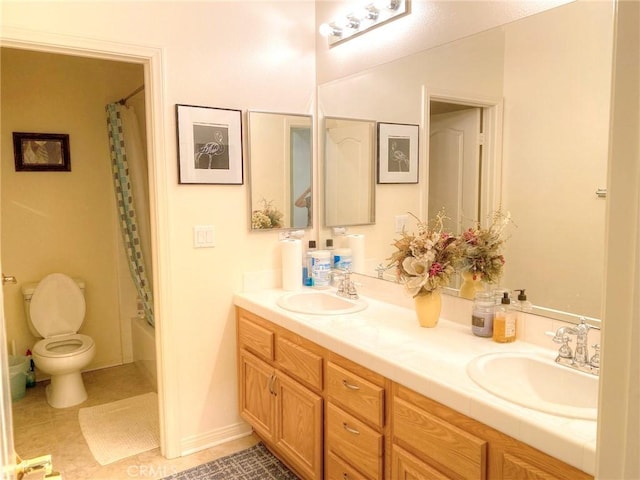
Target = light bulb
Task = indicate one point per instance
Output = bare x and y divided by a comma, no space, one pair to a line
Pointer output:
349,21
327,30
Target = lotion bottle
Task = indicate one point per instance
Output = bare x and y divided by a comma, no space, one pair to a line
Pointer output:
504,323
307,264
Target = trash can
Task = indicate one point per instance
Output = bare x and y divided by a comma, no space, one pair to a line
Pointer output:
18,367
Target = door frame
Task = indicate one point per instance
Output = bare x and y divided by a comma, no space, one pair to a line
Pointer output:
152,59
492,116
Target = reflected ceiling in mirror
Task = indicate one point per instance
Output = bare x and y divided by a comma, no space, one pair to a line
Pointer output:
553,72
280,156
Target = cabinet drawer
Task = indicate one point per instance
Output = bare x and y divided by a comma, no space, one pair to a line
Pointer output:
353,441
357,395
256,338
304,365
453,451
337,469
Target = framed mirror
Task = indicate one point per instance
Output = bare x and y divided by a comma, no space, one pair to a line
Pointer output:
280,165
552,73
349,171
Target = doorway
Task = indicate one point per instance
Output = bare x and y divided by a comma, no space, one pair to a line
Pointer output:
151,59
463,159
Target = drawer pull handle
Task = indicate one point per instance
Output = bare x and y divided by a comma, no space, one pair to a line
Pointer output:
350,386
349,429
272,378
345,476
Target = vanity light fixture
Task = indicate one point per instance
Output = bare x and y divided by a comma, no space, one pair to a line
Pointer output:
362,20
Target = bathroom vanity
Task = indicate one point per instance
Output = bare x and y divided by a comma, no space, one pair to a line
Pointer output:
371,395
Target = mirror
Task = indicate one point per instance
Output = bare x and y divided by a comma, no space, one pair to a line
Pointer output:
280,156
546,78
349,171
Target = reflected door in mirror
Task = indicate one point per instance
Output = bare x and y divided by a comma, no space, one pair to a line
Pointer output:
349,172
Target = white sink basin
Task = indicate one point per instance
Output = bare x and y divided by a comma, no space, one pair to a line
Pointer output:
538,383
317,302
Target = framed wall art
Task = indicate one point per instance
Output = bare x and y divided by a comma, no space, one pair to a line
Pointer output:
397,153
41,152
209,145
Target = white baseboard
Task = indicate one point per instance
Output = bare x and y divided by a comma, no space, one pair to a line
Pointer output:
210,439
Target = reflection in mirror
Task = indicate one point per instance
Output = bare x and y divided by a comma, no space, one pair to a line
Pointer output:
349,172
553,72
280,155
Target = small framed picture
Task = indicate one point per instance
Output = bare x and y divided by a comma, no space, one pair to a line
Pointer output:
209,145
41,152
397,153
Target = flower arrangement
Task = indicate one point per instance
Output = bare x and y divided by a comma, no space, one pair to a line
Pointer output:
425,261
480,250
267,217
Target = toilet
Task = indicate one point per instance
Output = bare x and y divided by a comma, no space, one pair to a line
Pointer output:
55,309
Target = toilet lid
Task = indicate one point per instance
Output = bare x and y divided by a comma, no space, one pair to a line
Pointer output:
57,306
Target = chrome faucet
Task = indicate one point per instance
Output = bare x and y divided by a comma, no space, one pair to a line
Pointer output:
580,358
346,287
381,269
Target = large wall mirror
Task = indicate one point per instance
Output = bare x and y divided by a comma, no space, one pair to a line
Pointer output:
280,156
545,80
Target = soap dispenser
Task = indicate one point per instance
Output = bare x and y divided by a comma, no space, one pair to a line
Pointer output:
504,323
523,304
307,264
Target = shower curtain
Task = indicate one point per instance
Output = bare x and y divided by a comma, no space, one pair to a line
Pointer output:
129,167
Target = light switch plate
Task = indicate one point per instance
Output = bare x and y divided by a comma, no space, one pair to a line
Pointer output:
401,222
204,236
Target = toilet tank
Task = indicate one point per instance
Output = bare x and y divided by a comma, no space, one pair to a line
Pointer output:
27,292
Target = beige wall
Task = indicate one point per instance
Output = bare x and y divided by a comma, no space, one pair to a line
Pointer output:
244,55
64,221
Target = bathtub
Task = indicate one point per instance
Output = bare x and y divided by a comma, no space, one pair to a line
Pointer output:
143,339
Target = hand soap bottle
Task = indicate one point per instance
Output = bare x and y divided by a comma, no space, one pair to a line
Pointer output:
504,322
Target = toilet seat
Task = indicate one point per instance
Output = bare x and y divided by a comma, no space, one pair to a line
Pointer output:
57,306
63,346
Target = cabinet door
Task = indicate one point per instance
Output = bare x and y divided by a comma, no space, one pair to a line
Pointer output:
257,398
299,425
405,466
514,468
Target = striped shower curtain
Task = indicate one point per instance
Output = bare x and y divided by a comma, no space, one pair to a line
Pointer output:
127,157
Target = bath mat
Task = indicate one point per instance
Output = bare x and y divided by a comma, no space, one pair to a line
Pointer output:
121,429
254,463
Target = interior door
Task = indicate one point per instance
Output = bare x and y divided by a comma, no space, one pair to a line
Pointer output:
7,453
454,167
349,172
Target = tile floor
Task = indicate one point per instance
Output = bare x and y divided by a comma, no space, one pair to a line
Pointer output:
40,429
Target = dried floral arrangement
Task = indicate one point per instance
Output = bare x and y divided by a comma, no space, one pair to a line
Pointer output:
267,217
425,261
480,249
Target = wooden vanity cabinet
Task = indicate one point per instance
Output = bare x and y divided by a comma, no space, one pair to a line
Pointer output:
327,417
277,398
428,436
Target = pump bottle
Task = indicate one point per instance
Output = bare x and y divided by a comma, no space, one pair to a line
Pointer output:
504,323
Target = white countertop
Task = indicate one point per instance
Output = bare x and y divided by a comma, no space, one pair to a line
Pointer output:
387,339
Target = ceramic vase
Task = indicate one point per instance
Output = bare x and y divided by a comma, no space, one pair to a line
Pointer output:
428,308
470,285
